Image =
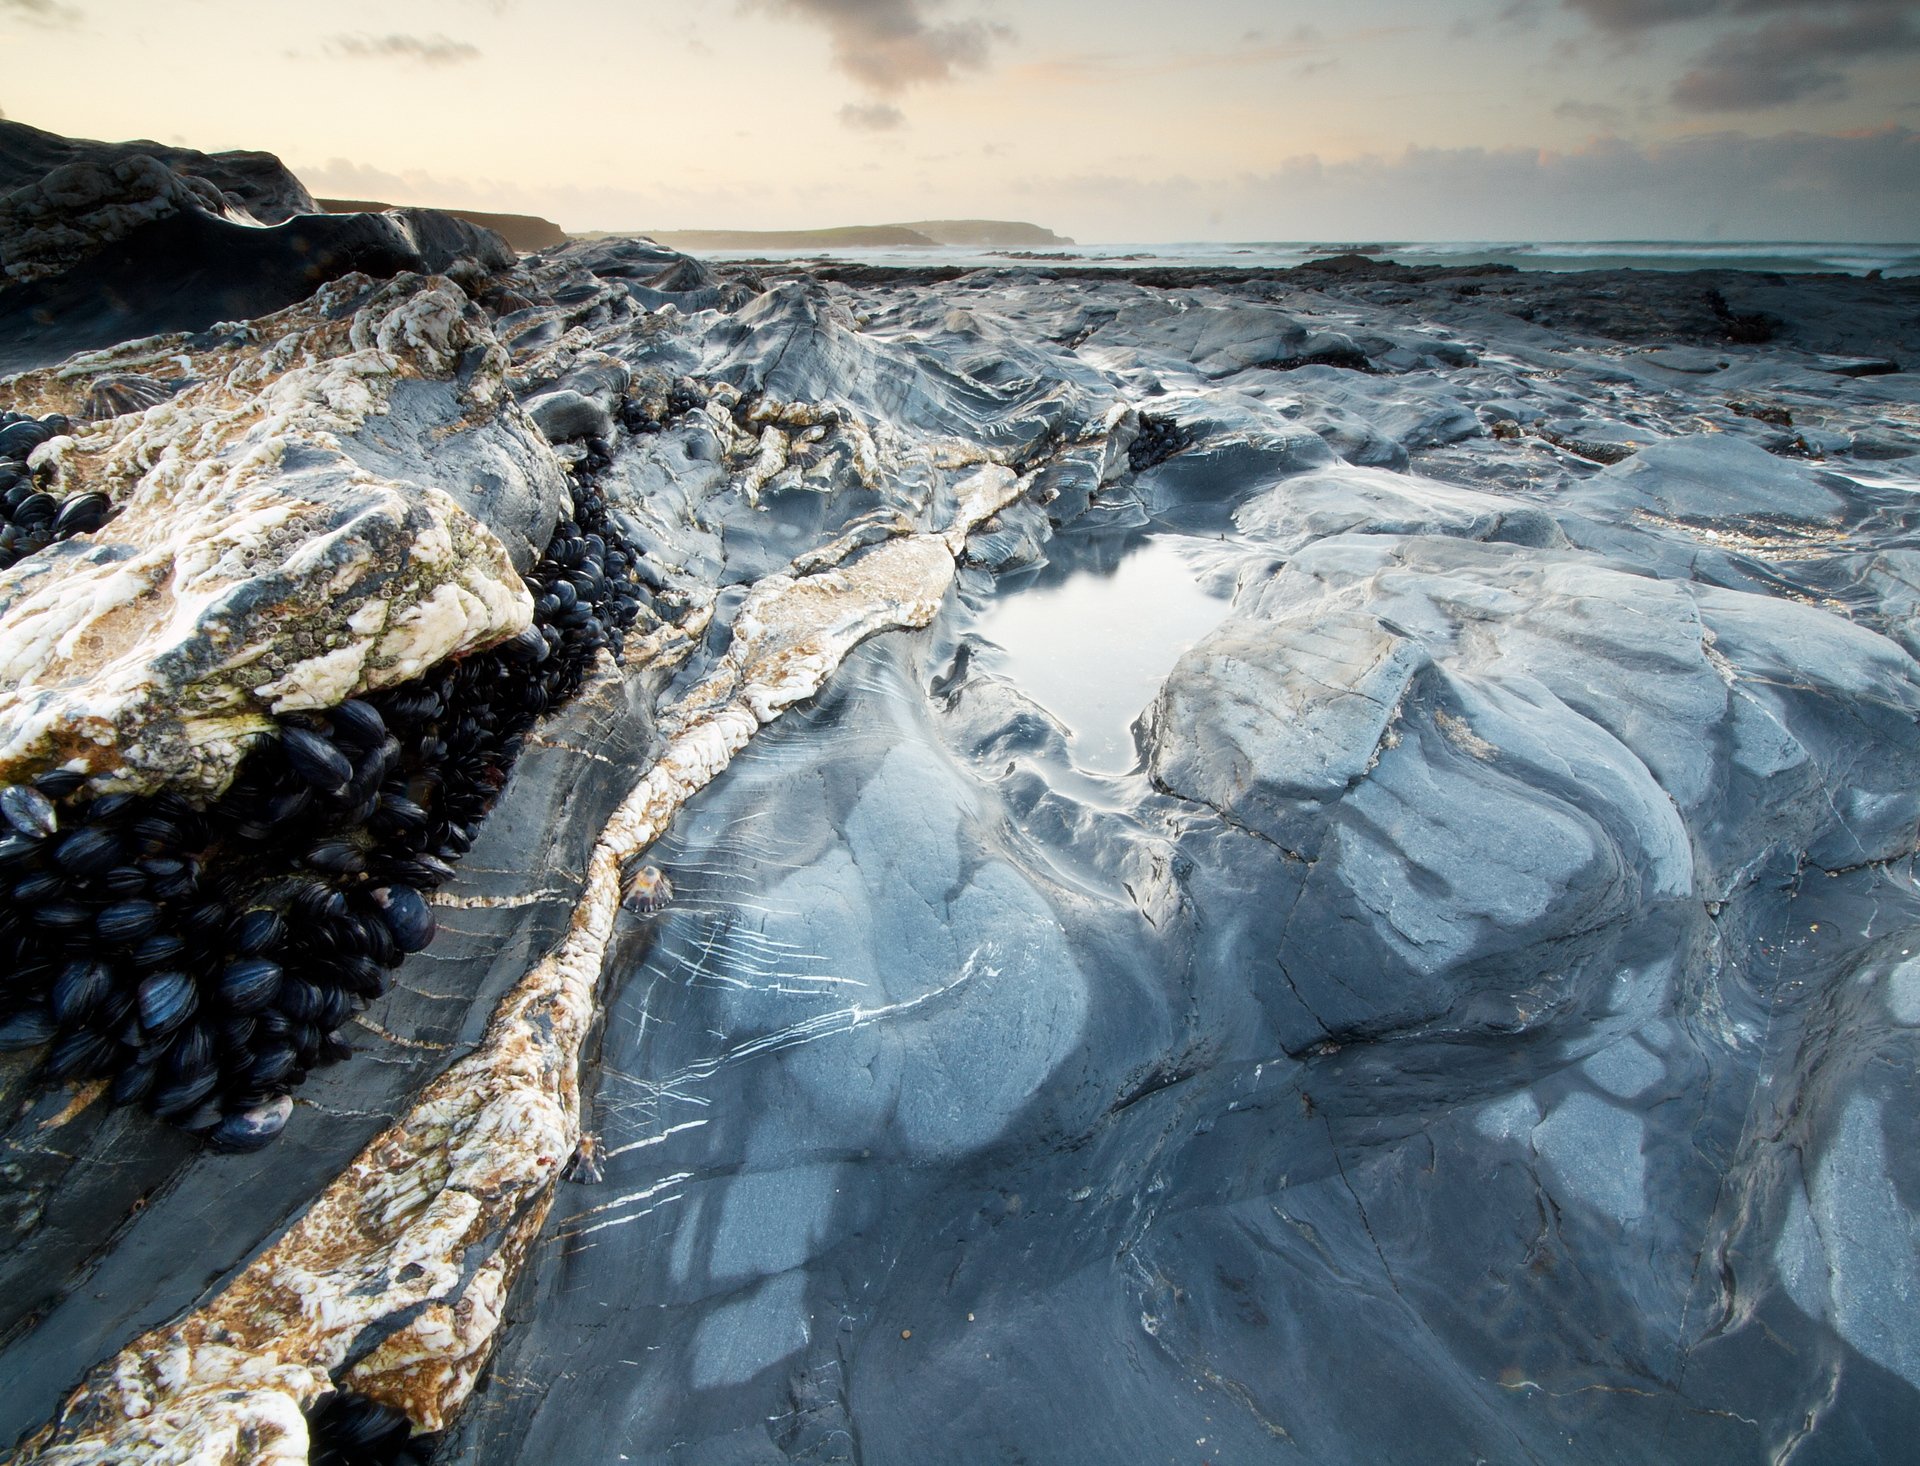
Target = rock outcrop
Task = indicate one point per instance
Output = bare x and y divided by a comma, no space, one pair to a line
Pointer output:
1494,974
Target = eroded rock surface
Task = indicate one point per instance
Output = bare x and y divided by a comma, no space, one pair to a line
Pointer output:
1481,1022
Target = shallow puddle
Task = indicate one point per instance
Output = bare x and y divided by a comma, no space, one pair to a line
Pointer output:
1093,645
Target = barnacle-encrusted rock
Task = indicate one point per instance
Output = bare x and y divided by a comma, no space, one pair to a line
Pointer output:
282,538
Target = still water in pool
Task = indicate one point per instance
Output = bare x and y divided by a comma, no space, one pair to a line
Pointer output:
1094,645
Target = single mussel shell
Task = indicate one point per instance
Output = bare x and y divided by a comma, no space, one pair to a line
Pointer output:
27,1029
300,1000
40,887
176,1099
336,1007
167,999
252,1128
59,783
125,880
29,811
36,509
62,916
337,857
15,848
206,920
362,975
78,990
82,514
358,723
408,916
159,949
250,984
353,1427
258,931
82,1055
127,921
188,1052
109,807
135,1081
271,1065
89,851
316,760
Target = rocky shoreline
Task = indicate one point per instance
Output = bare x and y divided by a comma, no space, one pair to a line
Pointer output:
1481,1020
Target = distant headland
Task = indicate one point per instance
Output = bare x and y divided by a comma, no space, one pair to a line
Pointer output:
925,233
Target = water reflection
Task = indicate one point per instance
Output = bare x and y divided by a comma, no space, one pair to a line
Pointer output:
1093,645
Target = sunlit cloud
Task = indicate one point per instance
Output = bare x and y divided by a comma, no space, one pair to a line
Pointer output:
435,50
890,45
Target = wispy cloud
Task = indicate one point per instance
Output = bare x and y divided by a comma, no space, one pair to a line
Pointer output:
890,45
1766,53
1305,46
41,12
434,50
872,117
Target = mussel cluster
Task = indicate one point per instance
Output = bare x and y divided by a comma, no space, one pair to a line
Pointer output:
203,958
682,398
1158,440
31,520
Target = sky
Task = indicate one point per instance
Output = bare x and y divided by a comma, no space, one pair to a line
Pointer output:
1105,120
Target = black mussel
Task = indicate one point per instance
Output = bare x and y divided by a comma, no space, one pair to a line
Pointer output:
110,807
315,760
82,1055
41,886
189,1052
135,1081
158,950
271,1065
349,1429
59,783
15,848
167,999
116,1009
27,1029
288,803
314,900
408,916
420,870
362,975
62,916
334,1049
397,812
182,1095
78,990
37,509
206,920
156,832
336,1007
258,931
89,851
127,921
377,940
236,1031
306,1045
358,723
337,857
252,1128
125,880
299,999
528,646
29,811
250,984
82,514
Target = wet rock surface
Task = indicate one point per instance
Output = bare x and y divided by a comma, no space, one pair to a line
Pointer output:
1481,1021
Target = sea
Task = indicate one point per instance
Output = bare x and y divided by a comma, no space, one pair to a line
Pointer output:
1831,258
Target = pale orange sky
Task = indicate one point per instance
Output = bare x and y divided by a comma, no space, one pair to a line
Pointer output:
1241,119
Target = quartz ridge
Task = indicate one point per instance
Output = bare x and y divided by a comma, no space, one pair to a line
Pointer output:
281,539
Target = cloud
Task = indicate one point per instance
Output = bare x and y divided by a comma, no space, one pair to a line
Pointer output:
1791,59
1600,114
1794,185
41,12
872,117
890,45
434,50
